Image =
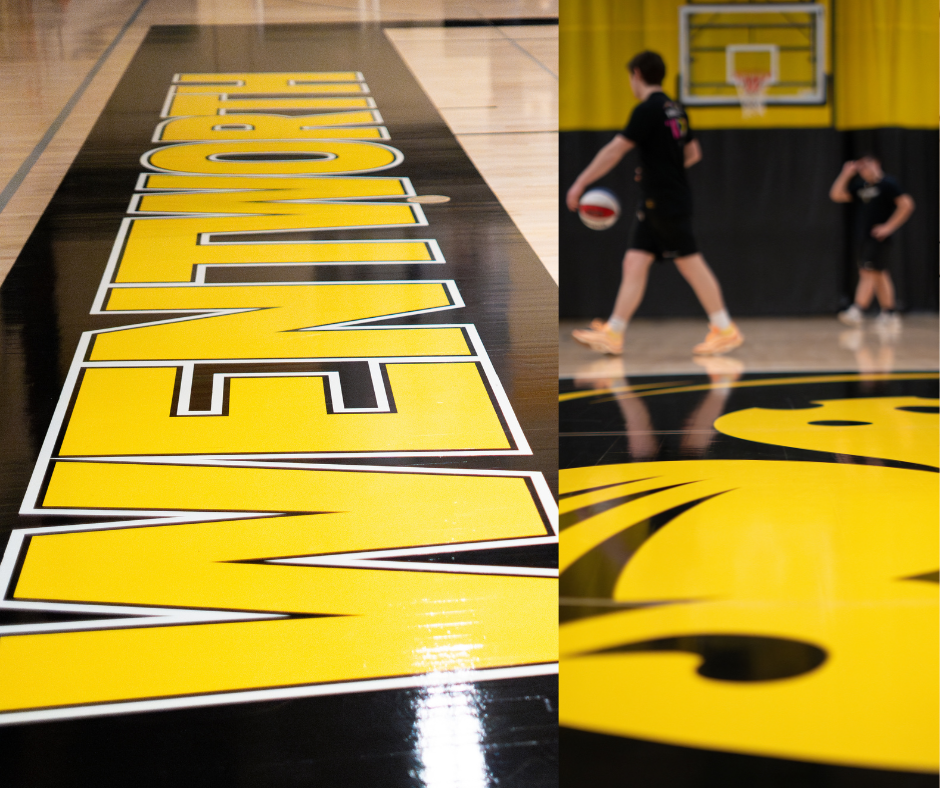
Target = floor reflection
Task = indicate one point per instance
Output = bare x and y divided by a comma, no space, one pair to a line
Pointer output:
774,344
697,432
450,737
874,351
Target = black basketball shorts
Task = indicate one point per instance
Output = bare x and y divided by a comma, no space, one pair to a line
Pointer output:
873,254
667,237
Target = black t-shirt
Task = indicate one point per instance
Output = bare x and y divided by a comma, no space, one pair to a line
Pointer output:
660,128
875,201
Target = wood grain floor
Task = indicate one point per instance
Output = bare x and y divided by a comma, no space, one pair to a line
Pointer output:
497,89
772,344
60,62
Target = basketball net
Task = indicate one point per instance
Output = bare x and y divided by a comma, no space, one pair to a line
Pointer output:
752,90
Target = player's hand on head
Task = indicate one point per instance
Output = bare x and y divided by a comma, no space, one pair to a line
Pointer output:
880,232
850,167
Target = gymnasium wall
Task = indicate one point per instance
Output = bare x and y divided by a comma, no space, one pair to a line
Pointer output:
763,217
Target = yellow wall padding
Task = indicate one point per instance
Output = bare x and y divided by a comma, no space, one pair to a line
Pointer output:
887,55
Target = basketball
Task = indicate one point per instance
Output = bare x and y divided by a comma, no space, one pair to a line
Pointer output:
599,209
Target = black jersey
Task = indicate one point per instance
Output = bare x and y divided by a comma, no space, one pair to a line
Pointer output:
876,201
660,129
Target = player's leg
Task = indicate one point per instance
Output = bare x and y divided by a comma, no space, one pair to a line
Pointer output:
882,285
724,334
678,242
884,291
872,260
608,337
864,292
703,281
636,268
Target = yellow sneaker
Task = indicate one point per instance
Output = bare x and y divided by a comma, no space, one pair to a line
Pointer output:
600,339
718,341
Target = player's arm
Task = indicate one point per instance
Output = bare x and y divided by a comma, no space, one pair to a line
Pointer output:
904,207
692,152
839,191
606,159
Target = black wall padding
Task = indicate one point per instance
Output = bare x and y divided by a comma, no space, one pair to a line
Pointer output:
763,220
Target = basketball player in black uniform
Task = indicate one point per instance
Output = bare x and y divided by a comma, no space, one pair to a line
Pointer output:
659,129
882,208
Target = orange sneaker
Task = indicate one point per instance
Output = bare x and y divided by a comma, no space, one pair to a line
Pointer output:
718,342
600,339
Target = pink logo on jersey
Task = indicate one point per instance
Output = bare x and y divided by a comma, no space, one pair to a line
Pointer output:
677,127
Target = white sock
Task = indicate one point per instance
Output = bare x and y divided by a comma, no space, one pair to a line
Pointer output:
720,320
617,325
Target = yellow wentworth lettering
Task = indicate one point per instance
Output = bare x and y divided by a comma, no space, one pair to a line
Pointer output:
218,104
269,82
269,127
127,411
271,329
307,89
204,421
388,509
167,250
366,623
290,157
257,195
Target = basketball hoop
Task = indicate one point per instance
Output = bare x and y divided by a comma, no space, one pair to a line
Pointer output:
752,91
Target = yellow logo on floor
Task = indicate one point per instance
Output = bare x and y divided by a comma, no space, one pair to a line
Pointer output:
775,608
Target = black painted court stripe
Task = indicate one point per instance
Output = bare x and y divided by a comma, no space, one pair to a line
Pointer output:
24,169
507,22
522,49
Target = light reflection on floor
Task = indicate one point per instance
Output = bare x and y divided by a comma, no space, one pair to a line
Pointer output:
451,737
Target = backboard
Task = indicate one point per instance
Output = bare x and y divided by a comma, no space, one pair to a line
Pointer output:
720,44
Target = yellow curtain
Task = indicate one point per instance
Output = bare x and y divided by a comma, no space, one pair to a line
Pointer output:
886,56
596,39
886,65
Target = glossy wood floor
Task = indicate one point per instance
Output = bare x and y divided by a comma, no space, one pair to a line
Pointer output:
796,344
363,613
496,86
